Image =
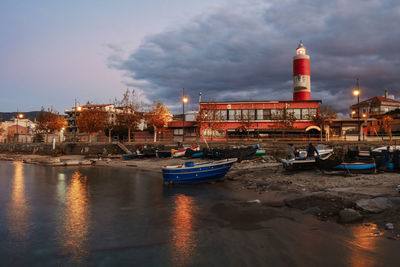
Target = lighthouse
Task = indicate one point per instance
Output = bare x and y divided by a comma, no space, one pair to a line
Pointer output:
301,74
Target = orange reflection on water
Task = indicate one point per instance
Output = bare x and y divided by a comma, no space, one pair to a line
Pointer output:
363,246
18,210
182,222
75,228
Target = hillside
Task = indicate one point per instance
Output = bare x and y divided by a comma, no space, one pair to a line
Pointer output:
5,116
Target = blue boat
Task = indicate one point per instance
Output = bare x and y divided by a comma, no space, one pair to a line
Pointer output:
356,166
193,173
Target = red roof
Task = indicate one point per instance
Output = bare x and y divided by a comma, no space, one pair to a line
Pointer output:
178,124
377,99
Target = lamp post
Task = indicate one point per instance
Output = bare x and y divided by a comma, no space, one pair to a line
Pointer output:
184,100
19,116
356,92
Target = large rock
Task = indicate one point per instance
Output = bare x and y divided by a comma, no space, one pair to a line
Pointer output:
349,216
374,205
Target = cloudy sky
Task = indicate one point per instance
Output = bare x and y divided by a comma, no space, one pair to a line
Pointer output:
52,53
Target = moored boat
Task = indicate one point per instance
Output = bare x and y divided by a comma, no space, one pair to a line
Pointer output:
181,152
193,173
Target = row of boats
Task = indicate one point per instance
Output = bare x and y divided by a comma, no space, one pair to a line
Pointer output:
367,161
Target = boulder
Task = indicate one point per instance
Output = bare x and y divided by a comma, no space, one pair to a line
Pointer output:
349,216
313,211
389,226
374,205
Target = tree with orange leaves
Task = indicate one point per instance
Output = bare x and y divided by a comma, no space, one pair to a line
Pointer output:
387,123
49,121
158,117
91,121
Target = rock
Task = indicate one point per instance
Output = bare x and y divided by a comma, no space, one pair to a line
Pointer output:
349,216
389,226
374,205
395,200
254,201
251,187
313,211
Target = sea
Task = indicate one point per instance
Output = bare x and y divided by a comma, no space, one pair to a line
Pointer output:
104,216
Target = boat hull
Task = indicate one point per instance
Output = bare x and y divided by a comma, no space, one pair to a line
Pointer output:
197,174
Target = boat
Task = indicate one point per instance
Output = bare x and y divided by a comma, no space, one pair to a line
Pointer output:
322,151
193,153
357,166
163,153
239,153
130,156
260,152
303,163
193,173
181,152
382,148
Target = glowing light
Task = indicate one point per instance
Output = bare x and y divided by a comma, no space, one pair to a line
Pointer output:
353,112
356,92
185,100
76,220
364,115
18,210
20,116
182,220
78,108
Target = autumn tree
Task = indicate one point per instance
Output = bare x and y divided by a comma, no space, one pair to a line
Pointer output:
128,115
387,123
210,116
91,121
158,117
49,121
326,113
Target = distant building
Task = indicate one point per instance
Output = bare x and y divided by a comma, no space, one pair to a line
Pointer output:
220,119
17,130
374,107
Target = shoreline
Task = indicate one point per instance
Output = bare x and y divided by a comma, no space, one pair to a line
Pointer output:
263,182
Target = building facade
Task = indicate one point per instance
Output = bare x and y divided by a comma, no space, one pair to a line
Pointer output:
374,107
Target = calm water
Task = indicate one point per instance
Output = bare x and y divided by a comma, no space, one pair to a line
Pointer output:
102,216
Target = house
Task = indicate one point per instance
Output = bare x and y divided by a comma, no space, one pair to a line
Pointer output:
374,107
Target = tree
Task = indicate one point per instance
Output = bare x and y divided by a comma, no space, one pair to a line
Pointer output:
158,117
91,121
387,123
49,121
326,113
128,115
210,116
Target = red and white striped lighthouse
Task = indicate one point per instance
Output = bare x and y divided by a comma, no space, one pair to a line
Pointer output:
301,74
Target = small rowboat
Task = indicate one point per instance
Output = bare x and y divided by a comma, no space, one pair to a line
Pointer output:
193,173
181,152
356,166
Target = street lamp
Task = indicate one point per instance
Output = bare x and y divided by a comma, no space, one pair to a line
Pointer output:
184,100
19,116
356,93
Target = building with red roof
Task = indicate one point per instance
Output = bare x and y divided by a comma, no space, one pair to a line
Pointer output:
374,107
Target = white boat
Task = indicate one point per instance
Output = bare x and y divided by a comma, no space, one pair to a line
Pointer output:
391,148
181,152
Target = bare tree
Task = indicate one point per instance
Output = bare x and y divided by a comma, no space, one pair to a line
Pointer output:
128,115
326,113
210,116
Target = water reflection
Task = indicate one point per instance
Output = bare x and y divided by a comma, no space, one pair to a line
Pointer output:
18,209
363,246
183,242
73,234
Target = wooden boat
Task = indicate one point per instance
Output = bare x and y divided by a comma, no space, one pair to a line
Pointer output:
357,166
163,153
239,153
193,173
302,163
181,152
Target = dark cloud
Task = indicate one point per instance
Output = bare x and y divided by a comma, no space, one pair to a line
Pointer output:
244,51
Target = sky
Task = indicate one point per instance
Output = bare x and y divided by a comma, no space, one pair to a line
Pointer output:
53,52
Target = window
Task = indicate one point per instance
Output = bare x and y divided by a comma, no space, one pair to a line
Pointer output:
266,114
252,114
312,113
305,115
260,115
296,113
245,114
223,115
276,114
